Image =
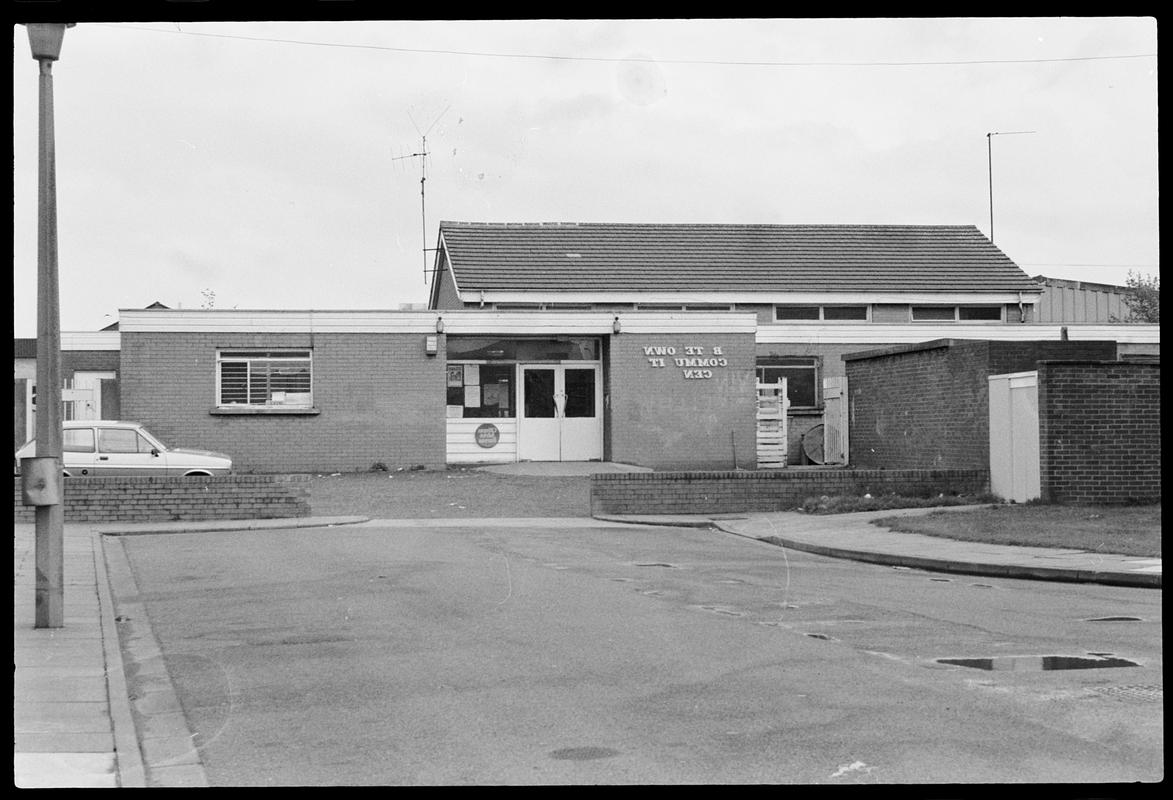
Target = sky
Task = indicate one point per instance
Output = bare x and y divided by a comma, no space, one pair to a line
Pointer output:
275,165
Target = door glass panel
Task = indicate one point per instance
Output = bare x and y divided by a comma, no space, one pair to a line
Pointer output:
539,393
580,393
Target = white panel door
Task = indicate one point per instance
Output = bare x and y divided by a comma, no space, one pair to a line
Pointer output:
581,434
560,419
1014,436
539,434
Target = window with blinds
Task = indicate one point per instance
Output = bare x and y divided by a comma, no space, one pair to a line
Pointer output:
264,378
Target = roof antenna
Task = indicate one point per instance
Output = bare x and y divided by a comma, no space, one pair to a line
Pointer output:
422,155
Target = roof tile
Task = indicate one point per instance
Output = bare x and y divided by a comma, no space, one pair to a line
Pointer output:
623,257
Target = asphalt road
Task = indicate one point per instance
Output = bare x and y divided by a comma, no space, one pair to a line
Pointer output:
400,653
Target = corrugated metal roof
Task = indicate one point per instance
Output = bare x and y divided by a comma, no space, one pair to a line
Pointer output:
768,258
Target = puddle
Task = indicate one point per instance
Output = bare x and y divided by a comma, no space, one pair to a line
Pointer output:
656,564
822,636
1040,663
1114,619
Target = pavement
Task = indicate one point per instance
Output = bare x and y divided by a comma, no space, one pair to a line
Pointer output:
79,722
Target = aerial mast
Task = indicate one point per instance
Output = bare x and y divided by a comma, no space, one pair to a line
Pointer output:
422,155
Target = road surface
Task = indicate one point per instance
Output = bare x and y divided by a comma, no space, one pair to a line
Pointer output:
572,652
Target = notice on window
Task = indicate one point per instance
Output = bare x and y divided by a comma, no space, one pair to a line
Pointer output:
496,394
472,375
455,375
472,396
455,412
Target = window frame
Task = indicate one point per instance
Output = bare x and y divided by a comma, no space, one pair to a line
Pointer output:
483,367
298,355
813,363
822,313
912,309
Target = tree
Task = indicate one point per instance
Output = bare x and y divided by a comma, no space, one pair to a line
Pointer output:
1144,298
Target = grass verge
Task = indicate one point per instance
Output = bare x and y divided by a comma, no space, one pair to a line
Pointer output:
847,504
1126,530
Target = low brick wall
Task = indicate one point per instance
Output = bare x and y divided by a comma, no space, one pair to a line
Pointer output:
1099,432
150,499
775,490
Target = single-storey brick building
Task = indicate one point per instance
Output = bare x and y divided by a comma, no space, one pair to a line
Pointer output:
642,344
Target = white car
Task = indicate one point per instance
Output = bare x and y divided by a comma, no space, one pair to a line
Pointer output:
95,448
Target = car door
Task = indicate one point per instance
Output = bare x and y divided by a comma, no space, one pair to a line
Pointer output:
123,451
78,451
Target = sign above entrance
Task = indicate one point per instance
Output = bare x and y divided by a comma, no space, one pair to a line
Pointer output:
695,363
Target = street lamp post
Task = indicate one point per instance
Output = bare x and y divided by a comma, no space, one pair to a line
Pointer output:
45,41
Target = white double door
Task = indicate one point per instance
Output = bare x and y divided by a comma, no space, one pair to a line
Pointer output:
560,416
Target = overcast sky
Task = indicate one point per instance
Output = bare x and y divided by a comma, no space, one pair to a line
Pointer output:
271,163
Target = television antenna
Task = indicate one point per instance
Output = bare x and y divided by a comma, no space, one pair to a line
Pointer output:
990,161
422,155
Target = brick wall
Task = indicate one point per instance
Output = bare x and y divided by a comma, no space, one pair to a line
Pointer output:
1024,356
775,490
926,406
1099,432
661,419
446,295
88,361
379,399
151,499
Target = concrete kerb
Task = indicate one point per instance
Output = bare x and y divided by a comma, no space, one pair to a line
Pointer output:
162,741
220,525
727,523
1021,571
131,773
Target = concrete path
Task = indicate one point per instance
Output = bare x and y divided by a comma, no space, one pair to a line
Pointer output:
853,536
74,724
561,469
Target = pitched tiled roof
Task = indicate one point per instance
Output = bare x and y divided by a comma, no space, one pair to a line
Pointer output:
732,258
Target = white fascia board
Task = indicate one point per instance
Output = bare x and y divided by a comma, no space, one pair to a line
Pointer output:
463,321
270,321
91,340
1128,333
758,298
907,333
595,323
